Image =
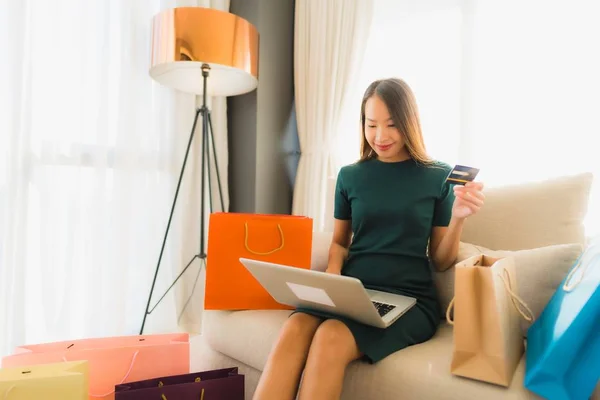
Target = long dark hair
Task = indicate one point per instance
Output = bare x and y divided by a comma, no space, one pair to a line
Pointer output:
402,106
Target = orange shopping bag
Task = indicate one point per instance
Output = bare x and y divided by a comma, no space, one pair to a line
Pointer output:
281,239
112,360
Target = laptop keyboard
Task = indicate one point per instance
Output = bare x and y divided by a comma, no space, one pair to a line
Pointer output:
383,308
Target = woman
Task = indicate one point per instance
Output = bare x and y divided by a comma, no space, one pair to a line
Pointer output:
394,213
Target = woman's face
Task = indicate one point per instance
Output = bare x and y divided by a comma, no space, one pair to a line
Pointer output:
381,134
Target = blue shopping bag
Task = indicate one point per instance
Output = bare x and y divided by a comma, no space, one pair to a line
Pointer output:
563,345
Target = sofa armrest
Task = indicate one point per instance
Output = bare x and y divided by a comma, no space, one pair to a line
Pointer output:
320,250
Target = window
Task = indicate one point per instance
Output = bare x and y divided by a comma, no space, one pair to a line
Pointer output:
510,87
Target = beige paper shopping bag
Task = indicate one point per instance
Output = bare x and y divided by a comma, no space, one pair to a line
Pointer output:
488,343
54,381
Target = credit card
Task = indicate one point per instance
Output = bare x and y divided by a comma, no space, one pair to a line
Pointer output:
462,174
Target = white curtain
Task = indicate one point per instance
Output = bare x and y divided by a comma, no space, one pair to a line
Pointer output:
90,152
329,42
508,86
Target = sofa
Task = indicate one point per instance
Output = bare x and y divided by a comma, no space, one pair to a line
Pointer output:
540,224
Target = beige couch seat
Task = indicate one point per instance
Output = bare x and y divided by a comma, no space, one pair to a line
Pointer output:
418,372
516,219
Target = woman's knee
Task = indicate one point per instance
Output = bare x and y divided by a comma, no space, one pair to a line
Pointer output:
300,326
333,342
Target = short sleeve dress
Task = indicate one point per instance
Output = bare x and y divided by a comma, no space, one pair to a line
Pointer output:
393,207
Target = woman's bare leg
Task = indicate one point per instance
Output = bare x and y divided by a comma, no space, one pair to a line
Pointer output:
283,370
332,349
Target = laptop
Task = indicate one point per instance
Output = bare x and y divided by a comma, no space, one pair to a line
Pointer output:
330,293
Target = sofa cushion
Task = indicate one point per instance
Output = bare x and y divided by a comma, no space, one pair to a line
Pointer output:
320,250
539,272
531,215
244,335
248,336
423,372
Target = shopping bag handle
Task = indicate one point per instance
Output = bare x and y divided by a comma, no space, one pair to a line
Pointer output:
122,380
8,392
450,307
163,397
267,252
519,304
567,286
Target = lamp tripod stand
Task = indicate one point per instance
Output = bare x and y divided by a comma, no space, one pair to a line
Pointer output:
207,138
188,44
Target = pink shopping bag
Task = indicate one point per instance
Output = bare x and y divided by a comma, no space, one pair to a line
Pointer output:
113,360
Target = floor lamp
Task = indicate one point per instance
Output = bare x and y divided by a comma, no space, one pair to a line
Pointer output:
206,52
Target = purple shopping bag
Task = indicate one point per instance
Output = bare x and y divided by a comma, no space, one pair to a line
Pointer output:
219,384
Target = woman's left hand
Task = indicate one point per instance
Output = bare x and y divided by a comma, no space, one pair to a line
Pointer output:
469,199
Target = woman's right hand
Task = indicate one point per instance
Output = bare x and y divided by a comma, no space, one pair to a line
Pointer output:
333,271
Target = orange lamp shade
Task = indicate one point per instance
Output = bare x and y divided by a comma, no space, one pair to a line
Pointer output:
186,38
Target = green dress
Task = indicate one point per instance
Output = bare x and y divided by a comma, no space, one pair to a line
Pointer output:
393,207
